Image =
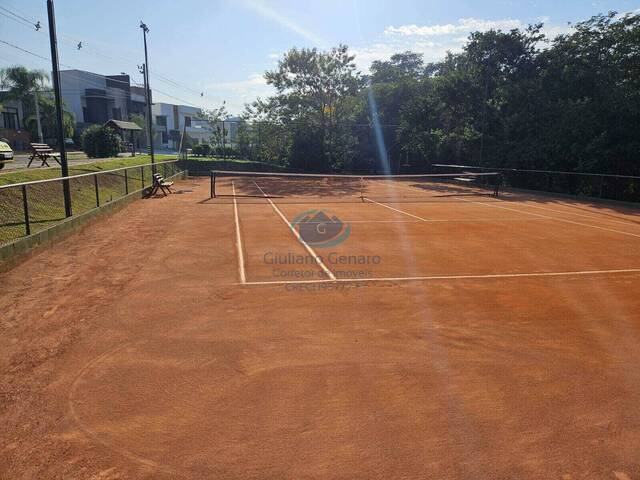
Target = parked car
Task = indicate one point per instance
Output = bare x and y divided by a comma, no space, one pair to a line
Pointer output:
6,154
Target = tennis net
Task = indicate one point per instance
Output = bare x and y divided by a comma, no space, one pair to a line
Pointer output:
307,187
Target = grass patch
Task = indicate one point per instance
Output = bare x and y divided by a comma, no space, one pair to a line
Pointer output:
29,175
46,206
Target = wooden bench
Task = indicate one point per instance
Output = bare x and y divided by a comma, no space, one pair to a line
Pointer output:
44,153
159,183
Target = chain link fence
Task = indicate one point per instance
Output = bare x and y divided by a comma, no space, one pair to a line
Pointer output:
30,207
610,187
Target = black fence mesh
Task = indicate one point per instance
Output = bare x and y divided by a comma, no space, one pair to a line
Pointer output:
609,187
12,223
28,208
46,205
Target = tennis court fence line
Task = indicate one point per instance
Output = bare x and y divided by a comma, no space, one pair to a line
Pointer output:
625,188
30,207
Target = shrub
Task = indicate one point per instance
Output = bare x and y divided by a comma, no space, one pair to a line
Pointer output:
202,150
99,141
225,152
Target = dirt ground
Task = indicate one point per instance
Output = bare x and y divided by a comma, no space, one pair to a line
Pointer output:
495,339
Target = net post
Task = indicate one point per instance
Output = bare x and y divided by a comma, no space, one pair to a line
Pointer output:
362,188
498,183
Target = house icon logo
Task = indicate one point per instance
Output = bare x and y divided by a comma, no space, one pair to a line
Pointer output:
318,229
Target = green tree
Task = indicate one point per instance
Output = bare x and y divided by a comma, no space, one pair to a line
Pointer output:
314,100
99,141
214,118
49,122
24,85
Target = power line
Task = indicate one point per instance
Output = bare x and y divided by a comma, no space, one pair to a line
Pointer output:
173,82
185,102
75,41
19,18
29,52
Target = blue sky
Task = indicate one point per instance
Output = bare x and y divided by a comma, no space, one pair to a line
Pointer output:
223,47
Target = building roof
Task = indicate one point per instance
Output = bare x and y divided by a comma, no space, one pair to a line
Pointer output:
121,125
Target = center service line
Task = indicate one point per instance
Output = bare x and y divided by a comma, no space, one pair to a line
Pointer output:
297,235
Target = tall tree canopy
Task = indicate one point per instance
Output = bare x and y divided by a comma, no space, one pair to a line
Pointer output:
29,86
513,99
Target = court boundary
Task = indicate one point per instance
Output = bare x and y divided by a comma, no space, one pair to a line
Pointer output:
446,277
524,212
332,278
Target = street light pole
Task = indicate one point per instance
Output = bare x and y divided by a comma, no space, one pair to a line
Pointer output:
145,30
66,189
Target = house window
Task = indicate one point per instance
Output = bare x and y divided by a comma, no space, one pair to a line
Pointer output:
161,120
187,121
10,119
165,137
117,115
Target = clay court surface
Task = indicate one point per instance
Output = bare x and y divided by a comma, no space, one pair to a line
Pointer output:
494,339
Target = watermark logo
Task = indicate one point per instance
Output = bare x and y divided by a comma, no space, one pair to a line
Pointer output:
320,230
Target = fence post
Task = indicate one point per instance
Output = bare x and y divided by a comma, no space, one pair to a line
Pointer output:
142,177
126,182
25,207
601,185
95,182
164,170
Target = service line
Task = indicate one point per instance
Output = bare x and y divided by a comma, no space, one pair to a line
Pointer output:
297,235
449,277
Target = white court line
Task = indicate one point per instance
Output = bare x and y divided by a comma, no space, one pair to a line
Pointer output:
436,220
594,216
297,235
395,209
529,213
430,220
362,221
450,277
243,277
552,218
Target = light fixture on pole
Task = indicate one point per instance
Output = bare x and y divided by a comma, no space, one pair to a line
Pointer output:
145,30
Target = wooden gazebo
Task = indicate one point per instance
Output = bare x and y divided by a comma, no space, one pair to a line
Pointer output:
122,127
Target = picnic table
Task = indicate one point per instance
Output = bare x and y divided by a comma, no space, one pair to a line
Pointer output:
44,153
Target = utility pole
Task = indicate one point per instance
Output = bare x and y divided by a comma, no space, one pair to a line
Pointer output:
145,30
59,116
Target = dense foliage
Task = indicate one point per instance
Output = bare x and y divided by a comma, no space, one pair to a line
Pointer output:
513,99
29,86
99,141
202,150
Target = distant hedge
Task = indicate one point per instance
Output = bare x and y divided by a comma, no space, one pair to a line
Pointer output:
99,142
202,149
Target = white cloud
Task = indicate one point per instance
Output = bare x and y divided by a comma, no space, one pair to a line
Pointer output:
431,51
461,26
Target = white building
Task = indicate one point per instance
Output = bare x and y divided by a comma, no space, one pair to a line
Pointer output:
170,121
94,98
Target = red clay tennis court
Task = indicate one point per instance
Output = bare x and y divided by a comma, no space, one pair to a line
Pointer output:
435,331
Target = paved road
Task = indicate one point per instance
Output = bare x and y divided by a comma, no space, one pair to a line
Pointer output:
22,160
